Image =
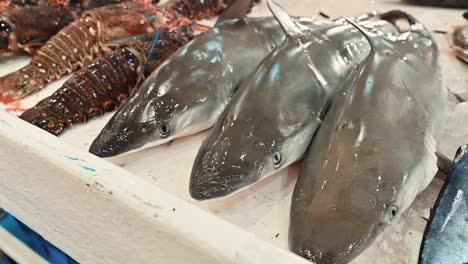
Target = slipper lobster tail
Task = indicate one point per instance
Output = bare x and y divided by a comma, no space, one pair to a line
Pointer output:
28,28
106,83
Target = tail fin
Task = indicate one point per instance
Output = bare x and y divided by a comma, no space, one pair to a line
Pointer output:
393,15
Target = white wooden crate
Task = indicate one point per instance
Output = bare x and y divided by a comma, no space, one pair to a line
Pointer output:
136,208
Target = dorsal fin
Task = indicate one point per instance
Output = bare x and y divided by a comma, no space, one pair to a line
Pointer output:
366,35
238,9
287,23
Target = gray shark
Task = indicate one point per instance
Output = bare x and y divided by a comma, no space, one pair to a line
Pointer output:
375,150
272,118
446,237
189,91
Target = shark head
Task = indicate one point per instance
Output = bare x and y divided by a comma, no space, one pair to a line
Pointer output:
177,99
336,230
244,147
127,129
354,183
159,111
267,125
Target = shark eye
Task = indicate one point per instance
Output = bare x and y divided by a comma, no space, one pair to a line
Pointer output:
277,159
164,129
393,212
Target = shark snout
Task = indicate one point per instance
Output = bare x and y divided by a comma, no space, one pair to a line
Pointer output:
218,174
120,137
208,190
105,150
330,238
112,143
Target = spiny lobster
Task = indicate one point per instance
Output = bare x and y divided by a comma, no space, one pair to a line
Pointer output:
10,5
107,82
27,28
91,36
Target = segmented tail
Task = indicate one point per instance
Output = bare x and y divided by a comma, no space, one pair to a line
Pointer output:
104,84
73,47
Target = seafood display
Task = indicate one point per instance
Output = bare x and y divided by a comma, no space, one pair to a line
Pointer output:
360,100
89,37
28,28
190,90
79,43
375,150
251,141
446,238
105,83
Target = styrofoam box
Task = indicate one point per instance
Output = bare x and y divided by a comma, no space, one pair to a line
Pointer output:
136,208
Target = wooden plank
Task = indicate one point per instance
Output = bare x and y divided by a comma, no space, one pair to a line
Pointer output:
99,213
18,251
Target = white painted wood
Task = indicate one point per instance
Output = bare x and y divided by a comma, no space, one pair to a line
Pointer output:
127,214
16,250
117,218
